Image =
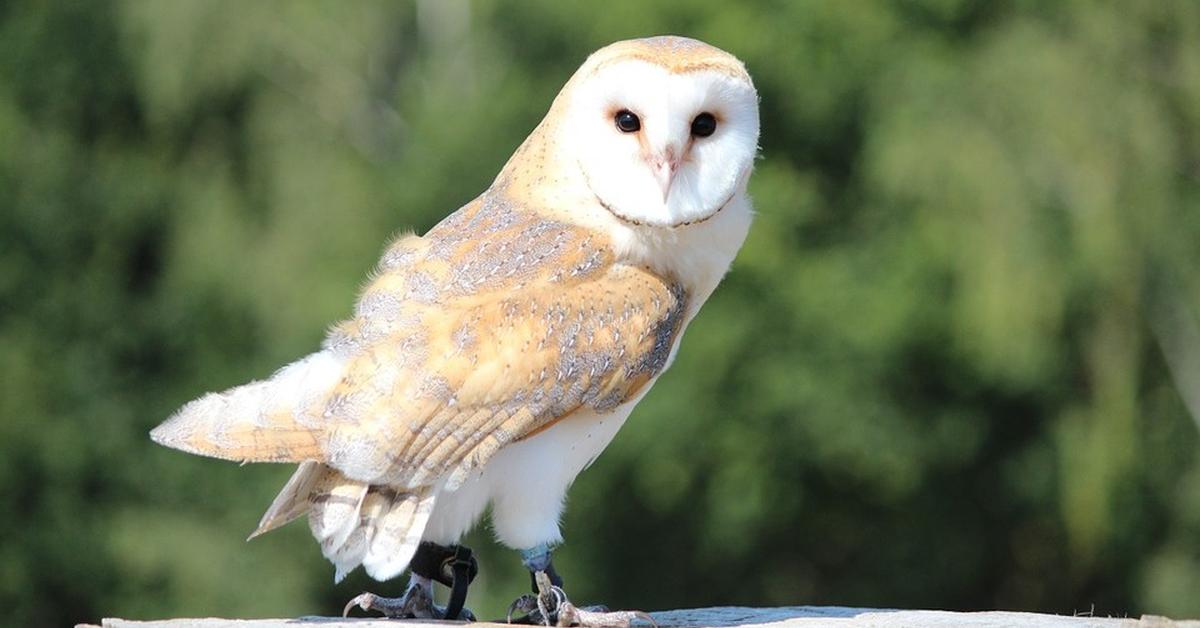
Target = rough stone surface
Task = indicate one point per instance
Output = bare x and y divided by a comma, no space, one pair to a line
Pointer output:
722,617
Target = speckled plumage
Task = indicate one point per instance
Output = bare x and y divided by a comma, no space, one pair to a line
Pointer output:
503,322
480,354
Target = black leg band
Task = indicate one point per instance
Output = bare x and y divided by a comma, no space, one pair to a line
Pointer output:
453,566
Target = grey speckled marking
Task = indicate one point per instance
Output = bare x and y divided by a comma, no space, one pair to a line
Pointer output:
379,304
436,387
398,257
664,333
674,45
347,406
589,265
511,257
463,338
580,375
421,287
500,245
494,213
341,343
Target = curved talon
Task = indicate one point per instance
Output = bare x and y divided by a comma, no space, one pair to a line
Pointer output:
416,603
363,600
526,603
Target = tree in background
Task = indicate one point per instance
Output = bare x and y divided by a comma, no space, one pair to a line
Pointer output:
951,367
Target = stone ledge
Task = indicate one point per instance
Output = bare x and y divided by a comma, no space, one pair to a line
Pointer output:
727,616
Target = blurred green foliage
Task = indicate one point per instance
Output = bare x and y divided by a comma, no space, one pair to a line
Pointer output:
949,369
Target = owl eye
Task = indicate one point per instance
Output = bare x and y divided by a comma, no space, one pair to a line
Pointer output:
704,125
627,121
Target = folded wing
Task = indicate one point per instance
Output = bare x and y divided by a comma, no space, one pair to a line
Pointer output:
494,370
493,326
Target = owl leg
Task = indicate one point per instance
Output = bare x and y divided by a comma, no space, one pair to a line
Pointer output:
452,566
549,606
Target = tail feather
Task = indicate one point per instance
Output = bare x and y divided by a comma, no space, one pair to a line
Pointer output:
336,506
293,501
348,555
347,546
380,531
281,420
398,533
276,420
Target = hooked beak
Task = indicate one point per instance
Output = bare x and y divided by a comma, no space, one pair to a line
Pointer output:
664,167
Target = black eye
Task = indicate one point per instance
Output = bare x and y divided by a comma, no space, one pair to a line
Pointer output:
704,125
627,121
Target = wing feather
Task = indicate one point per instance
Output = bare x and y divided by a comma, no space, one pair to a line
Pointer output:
496,324
518,331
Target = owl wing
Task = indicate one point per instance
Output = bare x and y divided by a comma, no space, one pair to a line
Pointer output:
456,381
492,326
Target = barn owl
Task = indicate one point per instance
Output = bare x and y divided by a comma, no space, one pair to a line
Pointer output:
491,360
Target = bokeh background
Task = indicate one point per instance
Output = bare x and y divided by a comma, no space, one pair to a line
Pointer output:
951,368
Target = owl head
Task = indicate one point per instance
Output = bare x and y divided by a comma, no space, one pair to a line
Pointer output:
663,131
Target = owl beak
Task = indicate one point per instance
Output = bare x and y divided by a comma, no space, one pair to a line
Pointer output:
665,166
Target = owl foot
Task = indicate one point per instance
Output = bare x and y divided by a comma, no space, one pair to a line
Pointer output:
550,607
417,603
